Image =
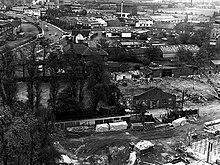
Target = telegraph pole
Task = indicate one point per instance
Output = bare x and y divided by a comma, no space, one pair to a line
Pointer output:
210,145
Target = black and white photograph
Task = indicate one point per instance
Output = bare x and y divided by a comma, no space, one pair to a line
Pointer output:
109,82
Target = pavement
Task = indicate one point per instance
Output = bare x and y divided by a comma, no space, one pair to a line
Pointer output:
53,32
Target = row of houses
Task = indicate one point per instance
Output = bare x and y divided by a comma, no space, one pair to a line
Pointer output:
9,26
86,22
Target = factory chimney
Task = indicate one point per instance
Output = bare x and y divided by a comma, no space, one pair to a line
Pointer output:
122,3
191,3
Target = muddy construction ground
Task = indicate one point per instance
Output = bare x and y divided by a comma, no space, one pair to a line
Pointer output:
113,147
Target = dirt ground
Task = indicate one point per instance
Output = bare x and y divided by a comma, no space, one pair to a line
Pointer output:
86,148
113,147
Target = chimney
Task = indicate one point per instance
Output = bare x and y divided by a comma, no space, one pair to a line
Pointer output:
122,8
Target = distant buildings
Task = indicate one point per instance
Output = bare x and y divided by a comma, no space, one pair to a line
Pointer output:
171,50
84,22
123,32
84,52
165,18
144,22
9,26
189,10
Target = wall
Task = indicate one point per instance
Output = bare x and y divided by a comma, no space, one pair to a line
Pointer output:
156,98
144,23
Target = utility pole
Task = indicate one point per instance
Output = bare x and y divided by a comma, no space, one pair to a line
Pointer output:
210,145
183,95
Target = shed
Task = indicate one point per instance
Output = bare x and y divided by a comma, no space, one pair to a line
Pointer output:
155,98
216,65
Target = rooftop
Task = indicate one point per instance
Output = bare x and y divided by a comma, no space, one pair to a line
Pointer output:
216,62
175,48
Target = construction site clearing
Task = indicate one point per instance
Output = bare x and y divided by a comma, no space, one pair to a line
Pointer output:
170,138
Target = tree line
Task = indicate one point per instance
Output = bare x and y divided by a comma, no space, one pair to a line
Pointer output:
26,127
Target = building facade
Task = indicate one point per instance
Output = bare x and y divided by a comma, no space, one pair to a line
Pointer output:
155,98
9,27
123,32
142,23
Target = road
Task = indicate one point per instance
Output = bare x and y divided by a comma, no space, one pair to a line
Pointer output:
52,30
52,33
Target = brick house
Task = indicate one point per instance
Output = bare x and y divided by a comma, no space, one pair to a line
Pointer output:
155,98
9,27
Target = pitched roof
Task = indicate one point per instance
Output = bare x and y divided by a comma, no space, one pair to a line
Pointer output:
94,51
79,48
15,23
84,50
146,94
100,51
139,97
3,16
216,62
